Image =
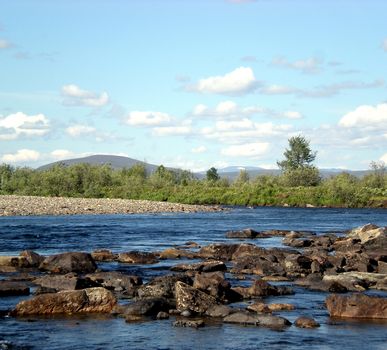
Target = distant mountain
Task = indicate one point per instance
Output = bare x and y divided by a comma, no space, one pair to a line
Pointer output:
116,162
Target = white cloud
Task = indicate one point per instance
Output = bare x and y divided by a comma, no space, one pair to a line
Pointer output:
22,155
256,149
226,125
292,115
385,45
5,44
310,65
239,81
60,154
275,89
177,130
20,124
148,118
75,96
383,158
80,130
366,116
200,149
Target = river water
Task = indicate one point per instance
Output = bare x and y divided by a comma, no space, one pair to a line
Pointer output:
48,235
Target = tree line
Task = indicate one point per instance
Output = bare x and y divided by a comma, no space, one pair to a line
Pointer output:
299,183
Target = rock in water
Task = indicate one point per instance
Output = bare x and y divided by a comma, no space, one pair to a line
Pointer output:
306,322
9,288
68,302
257,320
357,306
189,298
69,262
136,257
148,307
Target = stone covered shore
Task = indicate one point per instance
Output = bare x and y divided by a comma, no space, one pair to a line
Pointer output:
31,205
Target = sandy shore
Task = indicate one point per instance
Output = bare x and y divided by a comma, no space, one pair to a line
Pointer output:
28,205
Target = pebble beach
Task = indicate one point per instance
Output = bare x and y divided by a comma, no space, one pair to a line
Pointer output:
31,205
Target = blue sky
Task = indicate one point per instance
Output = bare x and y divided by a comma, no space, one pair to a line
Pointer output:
193,84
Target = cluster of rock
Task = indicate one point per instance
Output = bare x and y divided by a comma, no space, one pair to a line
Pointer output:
70,283
11,205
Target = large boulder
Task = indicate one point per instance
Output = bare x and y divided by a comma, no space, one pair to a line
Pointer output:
218,251
306,322
88,300
245,318
77,262
297,265
246,233
175,253
260,266
357,306
104,255
359,281
192,299
148,307
162,287
204,266
136,257
32,259
261,288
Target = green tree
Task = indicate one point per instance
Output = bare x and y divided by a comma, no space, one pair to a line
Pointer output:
297,166
243,177
378,176
212,174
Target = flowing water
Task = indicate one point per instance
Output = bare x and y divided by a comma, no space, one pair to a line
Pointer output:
48,235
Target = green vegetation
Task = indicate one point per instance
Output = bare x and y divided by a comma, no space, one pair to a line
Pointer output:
84,180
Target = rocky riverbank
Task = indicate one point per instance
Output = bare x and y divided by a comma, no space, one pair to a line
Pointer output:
31,205
194,292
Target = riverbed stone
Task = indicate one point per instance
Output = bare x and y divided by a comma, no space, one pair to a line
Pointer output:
69,281
105,255
32,258
218,251
90,300
189,323
77,262
269,321
204,266
245,233
11,288
136,257
162,286
306,322
357,306
148,307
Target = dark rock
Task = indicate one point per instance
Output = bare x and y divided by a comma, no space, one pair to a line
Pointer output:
258,266
136,257
117,281
205,266
104,255
213,283
69,262
257,320
69,281
9,288
189,323
219,311
32,259
218,251
306,322
357,306
68,302
44,290
162,315
246,233
162,287
148,307
174,253
189,298
382,267
261,288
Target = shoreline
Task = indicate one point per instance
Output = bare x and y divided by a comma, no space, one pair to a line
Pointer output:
14,205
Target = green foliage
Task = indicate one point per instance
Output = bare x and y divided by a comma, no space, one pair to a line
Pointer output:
212,175
303,176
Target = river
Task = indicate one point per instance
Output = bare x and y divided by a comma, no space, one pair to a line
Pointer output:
48,235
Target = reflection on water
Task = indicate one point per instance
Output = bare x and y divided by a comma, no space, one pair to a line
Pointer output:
49,235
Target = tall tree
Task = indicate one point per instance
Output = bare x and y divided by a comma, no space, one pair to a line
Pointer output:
212,174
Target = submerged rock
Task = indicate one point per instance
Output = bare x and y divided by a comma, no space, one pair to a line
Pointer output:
306,322
189,323
356,306
246,233
257,320
68,302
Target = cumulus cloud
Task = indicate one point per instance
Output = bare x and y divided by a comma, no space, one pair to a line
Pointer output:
22,155
366,116
177,130
80,130
226,125
75,96
20,124
148,118
310,65
198,150
60,154
276,89
256,149
239,81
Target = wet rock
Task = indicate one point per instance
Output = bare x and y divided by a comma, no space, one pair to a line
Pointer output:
68,302
69,262
204,266
69,281
44,290
148,307
382,267
212,283
261,288
359,281
306,322
104,255
260,266
9,288
257,320
162,287
269,308
189,323
246,233
135,257
247,250
32,259
12,261
219,311
357,306
316,282
116,281
186,313
162,315
297,265
174,253
189,298
135,318
218,251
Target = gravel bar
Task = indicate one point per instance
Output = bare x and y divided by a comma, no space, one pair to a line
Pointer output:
31,205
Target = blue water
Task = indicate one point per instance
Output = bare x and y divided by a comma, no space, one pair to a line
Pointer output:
119,233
